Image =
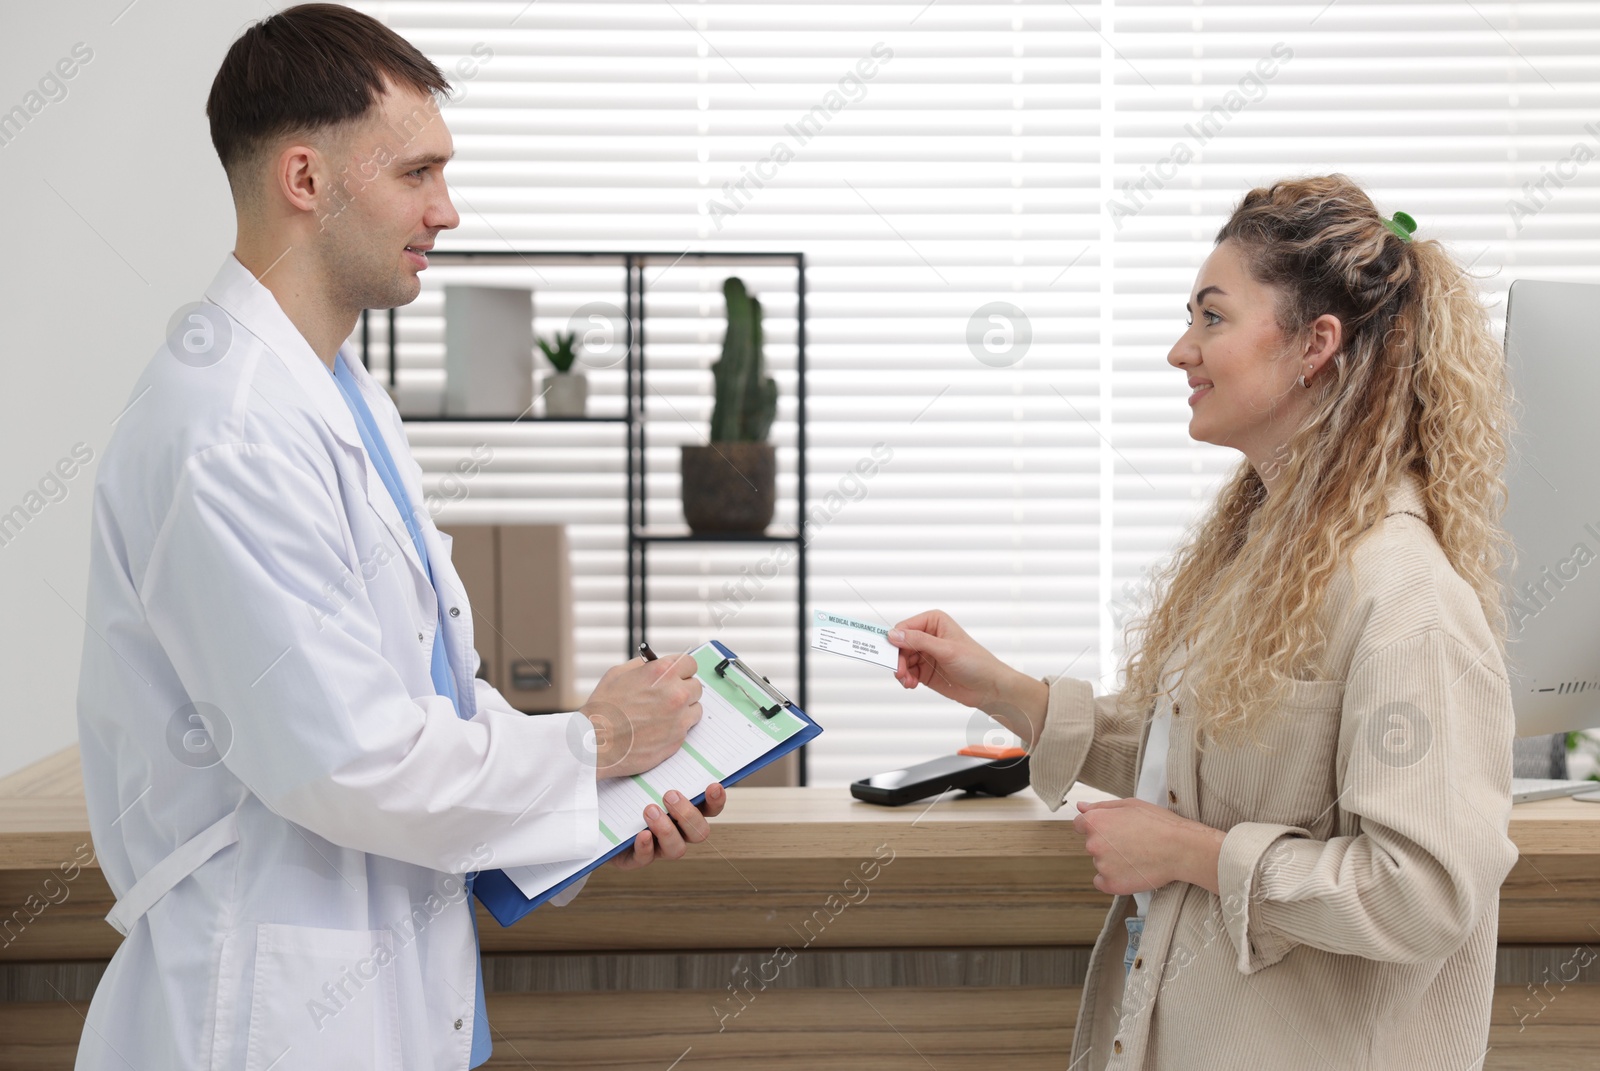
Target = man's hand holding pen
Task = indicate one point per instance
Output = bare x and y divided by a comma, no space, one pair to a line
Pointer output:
641,712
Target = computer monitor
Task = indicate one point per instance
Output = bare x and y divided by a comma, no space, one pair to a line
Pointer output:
1553,506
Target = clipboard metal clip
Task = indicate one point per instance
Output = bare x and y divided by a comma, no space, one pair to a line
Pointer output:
767,709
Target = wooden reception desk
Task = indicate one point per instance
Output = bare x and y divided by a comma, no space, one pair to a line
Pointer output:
811,931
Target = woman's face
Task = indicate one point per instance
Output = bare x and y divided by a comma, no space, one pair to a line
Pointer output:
1241,367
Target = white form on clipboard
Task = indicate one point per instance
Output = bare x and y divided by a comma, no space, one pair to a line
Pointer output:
745,723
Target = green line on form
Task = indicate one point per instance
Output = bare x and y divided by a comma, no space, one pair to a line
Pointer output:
701,759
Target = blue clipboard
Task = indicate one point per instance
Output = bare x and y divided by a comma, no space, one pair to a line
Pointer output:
507,903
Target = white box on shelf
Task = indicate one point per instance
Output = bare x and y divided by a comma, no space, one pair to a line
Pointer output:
488,351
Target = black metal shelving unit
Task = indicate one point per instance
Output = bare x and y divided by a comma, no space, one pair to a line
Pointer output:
640,536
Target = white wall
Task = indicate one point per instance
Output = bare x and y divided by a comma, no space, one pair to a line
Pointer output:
116,213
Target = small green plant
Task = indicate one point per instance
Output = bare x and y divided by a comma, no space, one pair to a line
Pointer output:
563,353
746,397
1585,746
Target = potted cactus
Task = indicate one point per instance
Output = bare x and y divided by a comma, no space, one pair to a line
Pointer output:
565,393
729,484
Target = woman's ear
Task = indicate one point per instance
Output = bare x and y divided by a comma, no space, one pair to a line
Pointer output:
1326,336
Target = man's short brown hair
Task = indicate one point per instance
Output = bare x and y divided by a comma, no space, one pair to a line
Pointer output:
303,70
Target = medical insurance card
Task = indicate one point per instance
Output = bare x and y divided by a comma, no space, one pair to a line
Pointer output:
846,636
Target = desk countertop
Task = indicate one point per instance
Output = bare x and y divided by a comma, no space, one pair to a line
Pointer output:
967,871
43,821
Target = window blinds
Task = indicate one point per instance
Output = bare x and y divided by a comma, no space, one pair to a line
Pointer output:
1003,206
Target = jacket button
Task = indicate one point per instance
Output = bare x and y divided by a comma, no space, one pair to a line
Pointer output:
1138,961
1177,709
1116,1046
455,611
458,1024
1172,797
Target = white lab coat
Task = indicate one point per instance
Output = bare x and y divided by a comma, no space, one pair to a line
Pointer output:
253,590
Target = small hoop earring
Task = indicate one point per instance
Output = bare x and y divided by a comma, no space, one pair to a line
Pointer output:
1304,385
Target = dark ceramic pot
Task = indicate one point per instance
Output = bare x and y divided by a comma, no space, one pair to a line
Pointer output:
729,487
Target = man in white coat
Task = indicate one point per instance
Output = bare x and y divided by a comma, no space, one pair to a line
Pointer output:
291,767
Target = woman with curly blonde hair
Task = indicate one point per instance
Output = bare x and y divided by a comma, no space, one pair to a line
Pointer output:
1313,744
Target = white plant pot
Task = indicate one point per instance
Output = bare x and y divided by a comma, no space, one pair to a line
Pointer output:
566,394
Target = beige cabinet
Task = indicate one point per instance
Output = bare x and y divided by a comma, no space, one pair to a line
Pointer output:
519,580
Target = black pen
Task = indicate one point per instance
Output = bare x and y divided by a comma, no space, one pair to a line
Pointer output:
649,655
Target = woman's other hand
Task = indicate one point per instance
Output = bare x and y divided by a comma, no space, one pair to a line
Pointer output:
1138,847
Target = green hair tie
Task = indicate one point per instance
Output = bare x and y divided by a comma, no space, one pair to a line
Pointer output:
1402,226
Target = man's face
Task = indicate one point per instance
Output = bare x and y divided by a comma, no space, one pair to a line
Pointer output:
386,201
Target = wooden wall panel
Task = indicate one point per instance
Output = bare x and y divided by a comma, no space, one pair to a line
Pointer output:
904,1029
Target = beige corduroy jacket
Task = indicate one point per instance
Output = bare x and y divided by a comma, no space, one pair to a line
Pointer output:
1360,875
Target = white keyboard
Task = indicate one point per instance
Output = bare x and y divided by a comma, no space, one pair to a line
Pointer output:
1524,789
